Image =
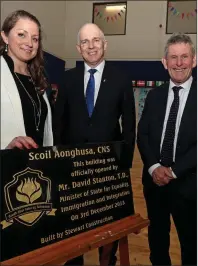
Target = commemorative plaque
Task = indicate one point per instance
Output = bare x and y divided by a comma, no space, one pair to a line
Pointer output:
49,194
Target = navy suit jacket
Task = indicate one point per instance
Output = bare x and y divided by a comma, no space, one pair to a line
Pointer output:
115,99
149,137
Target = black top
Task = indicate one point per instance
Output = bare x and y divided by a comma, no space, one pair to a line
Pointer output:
31,120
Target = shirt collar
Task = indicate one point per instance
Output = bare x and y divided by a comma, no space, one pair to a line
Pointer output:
99,68
186,85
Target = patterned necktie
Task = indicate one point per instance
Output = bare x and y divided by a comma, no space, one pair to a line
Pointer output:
168,142
90,92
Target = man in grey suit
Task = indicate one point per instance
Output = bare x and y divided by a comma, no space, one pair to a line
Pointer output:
94,98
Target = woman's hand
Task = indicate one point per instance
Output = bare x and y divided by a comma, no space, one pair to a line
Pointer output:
21,143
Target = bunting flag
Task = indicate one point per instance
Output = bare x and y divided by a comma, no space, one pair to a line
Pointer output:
181,15
147,83
141,83
150,83
133,83
113,18
159,83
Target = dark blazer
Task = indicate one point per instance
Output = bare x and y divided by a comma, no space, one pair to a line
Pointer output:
115,99
149,137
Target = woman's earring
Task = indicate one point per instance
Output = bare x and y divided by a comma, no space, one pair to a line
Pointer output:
6,48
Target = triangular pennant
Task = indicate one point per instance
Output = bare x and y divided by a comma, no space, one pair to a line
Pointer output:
176,12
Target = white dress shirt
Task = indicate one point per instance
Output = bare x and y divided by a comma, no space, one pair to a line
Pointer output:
183,95
97,77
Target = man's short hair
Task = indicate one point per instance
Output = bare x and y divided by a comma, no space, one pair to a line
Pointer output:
78,35
179,37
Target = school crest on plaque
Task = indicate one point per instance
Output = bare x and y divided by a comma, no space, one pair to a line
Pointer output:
27,198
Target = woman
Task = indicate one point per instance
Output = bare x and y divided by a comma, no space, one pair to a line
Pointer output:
25,110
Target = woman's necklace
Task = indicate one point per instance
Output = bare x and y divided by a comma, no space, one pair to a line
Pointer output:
37,109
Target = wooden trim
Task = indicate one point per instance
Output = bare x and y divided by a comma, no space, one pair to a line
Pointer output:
75,246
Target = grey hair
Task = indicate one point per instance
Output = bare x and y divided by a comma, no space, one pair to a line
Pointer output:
179,37
86,24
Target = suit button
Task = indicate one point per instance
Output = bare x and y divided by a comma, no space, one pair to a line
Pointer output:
178,146
90,124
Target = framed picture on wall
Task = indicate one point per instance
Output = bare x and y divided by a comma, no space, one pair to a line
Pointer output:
110,17
181,16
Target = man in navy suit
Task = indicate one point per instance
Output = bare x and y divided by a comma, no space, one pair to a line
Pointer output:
167,140
95,117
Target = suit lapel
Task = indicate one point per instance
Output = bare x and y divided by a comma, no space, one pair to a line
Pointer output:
11,90
189,108
80,89
162,110
103,91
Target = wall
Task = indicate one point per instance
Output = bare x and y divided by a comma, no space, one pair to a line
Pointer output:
144,38
51,15
61,20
